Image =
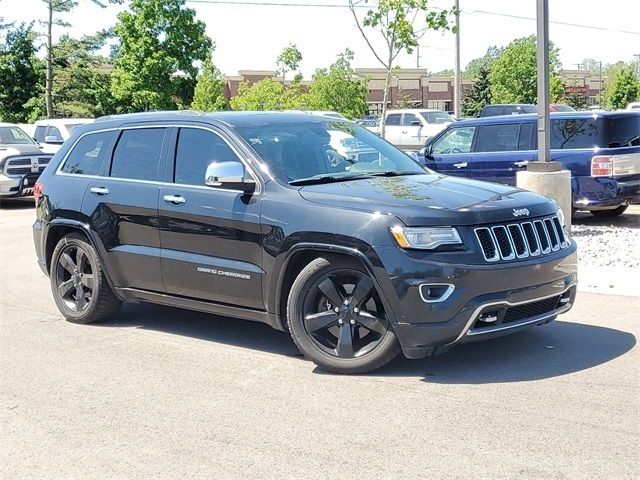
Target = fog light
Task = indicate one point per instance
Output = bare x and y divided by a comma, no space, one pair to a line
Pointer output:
488,317
435,292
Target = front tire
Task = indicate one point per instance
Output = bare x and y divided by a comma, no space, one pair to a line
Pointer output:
614,212
337,319
80,288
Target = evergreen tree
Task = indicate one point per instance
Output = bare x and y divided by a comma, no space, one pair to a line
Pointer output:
480,94
209,93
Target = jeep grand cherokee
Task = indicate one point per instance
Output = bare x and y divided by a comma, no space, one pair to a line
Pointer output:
267,217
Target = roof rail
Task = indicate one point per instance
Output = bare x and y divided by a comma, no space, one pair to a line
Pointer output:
153,113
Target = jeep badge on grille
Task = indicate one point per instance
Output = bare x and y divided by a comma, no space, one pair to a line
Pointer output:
520,212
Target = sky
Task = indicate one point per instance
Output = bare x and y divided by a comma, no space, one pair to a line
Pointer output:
250,36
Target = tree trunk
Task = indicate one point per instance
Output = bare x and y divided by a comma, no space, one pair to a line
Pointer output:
49,66
385,97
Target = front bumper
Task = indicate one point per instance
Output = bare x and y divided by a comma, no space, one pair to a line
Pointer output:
591,193
16,186
518,294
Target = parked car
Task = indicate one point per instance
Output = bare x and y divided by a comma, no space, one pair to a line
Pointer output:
21,162
507,109
633,106
602,151
250,215
52,132
410,128
558,107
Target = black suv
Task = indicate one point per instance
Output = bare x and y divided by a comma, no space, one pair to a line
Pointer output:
310,224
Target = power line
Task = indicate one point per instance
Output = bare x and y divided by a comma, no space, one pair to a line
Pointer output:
275,3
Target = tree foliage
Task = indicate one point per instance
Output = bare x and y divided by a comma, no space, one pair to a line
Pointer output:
209,92
267,94
21,75
473,67
623,88
577,100
159,42
337,88
395,21
514,73
288,60
480,94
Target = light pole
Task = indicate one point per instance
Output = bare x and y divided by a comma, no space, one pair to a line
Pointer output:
457,80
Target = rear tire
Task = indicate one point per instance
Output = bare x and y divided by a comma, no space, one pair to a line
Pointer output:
614,212
358,338
78,283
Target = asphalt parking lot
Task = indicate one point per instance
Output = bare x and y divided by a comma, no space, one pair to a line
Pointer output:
164,393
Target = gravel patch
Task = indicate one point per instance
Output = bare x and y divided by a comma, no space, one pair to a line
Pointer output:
607,246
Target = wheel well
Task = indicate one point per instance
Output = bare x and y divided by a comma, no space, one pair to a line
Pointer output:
53,237
298,261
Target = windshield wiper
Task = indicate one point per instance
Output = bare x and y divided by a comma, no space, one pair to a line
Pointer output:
393,173
325,179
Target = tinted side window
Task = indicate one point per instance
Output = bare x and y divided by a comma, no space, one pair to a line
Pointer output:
88,155
196,149
526,132
621,131
456,140
393,119
491,110
54,132
137,154
39,133
574,133
497,138
409,118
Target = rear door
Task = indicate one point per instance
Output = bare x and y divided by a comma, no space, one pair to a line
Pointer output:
211,237
393,128
411,136
122,207
500,150
451,153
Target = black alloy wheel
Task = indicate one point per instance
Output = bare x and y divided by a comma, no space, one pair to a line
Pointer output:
75,278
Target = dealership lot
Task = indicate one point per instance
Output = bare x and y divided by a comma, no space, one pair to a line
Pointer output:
164,392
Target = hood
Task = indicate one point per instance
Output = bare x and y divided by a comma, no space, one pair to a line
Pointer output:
12,149
420,200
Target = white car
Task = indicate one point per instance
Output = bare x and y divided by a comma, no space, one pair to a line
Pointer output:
633,106
52,132
409,129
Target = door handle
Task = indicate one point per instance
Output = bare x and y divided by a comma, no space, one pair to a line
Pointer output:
523,163
99,190
404,131
175,199
460,165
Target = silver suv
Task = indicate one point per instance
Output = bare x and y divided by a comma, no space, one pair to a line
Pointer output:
21,162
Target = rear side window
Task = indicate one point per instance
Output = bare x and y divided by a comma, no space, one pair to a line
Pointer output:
492,110
574,133
393,119
621,131
196,149
39,134
526,133
409,118
137,154
89,154
498,138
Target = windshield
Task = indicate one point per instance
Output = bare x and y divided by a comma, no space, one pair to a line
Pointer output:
437,117
325,150
14,136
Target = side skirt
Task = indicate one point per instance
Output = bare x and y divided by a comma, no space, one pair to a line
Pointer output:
136,295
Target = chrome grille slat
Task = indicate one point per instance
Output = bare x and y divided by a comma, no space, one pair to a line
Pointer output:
522,240
21,165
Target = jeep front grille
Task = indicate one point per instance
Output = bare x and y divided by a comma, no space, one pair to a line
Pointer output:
522,239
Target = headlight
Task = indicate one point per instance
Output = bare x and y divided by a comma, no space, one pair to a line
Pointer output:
426,238
563,221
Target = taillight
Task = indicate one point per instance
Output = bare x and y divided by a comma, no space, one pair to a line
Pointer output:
37,190
602,166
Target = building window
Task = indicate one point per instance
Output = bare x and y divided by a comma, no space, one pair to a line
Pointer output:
438,87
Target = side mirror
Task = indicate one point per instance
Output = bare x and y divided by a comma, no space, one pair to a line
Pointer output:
427,152
229,175
416,123
53,139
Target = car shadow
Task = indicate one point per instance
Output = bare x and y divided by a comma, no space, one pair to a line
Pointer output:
630,219
549,351
17,203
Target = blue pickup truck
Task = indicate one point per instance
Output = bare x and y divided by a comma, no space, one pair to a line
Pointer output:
601,149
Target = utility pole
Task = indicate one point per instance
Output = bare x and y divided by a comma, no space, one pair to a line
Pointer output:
637,55
544,120
49,64
417,56
457,80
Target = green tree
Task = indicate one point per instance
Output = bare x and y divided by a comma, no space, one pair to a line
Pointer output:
395,20
473,67
623,88
263,95
55,7
442,73
514,73
288,60
480,94
21,75
154,66
577,100
209,93
338,88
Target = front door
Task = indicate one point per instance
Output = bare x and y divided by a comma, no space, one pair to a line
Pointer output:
451,152
500,151
122,208
393,128
411,135
211,238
